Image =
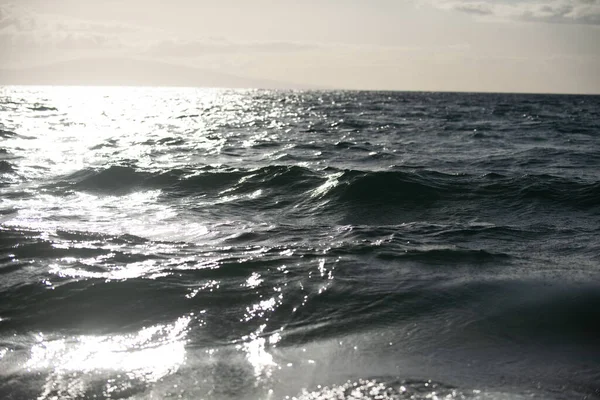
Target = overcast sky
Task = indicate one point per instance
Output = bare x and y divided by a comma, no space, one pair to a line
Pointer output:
465,45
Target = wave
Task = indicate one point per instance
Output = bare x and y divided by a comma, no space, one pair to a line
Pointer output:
393,388
5,167
391,188
371,389
494,313
4,134
7,134
191,180
429,188
43,108
446,256
313,305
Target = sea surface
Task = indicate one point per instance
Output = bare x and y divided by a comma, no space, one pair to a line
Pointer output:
255,244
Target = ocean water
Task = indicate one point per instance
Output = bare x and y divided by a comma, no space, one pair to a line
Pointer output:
253,244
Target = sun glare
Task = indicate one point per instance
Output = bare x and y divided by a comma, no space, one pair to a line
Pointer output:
77,362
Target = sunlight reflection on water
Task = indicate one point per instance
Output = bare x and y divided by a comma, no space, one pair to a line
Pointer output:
77,363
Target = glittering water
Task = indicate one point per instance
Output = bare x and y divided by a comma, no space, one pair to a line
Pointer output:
180,243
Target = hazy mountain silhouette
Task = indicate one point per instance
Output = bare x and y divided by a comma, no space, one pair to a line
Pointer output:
131,72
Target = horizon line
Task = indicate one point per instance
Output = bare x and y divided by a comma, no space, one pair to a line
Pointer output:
290,89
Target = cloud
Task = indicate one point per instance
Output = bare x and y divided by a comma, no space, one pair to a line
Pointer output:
11,18
22,29
557,11
193,48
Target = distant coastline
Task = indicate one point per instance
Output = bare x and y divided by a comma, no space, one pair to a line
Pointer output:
132,72
148,73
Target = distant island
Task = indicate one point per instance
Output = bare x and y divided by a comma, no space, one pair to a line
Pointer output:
132,72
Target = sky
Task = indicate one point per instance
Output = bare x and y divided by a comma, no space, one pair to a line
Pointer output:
449,45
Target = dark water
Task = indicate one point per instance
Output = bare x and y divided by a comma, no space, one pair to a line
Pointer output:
218,244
